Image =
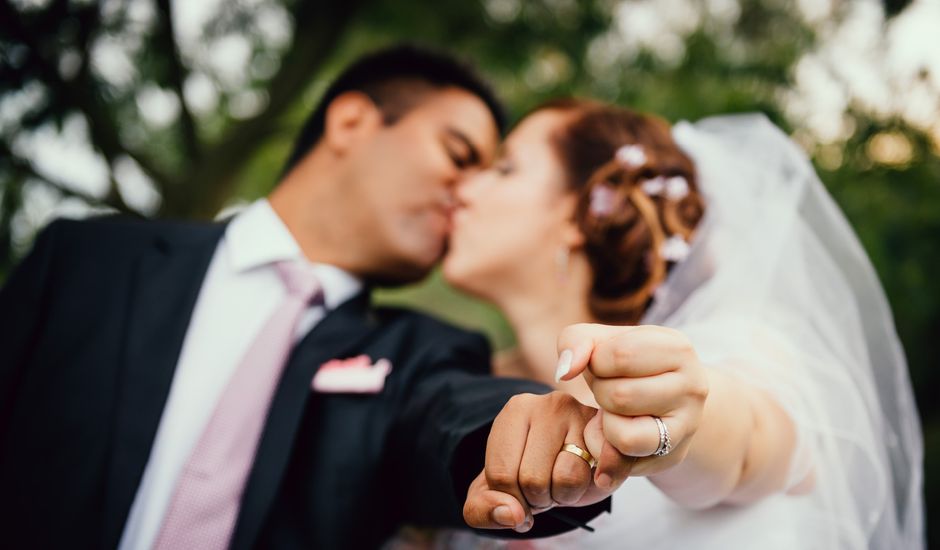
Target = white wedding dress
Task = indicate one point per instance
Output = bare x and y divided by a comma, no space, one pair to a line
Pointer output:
778,291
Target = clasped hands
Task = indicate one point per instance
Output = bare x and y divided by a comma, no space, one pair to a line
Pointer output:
635,374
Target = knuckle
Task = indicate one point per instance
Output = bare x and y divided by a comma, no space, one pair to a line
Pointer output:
533,485
519,401
499,478
622,395
694,386
569,479
699,389
624,352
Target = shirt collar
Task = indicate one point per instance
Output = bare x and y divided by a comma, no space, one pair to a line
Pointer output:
258,237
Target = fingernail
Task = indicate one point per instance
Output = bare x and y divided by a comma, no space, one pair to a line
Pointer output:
503,516
603,481
564,364
526,525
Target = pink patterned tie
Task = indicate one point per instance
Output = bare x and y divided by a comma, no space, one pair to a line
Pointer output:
208,494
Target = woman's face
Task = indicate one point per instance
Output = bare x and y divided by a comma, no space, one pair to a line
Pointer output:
515,217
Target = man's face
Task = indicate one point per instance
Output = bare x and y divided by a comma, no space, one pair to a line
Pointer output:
404,176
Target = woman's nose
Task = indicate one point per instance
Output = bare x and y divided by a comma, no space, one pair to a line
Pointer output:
468,188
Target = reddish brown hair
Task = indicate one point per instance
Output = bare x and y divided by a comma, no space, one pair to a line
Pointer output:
622,246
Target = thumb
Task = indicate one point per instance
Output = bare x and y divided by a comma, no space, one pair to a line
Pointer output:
594,434
613,468
489,509
576,343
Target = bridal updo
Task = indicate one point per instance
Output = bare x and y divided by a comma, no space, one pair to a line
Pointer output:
638,201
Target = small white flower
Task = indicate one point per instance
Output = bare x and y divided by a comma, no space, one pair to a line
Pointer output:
602,201
631,156
654,187
675,249
677,188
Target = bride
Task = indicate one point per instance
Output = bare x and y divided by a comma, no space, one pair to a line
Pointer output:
721,235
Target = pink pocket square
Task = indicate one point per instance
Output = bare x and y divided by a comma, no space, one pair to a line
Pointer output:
353,375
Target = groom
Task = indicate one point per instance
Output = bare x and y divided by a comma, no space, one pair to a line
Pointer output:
183,385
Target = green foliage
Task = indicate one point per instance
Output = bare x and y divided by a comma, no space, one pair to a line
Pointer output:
896,212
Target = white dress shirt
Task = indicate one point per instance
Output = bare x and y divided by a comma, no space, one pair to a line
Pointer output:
240,292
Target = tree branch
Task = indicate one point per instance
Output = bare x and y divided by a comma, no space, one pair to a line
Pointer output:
318,28
79,94
25,169
166,39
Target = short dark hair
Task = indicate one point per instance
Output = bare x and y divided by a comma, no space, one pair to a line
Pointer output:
394,79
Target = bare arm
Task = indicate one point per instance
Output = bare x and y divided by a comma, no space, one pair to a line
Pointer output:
732,442
740,453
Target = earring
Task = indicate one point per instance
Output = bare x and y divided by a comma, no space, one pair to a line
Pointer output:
562,255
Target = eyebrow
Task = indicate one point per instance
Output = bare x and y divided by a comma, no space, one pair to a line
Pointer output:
460,136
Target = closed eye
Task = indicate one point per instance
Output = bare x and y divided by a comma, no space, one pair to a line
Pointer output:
460,150
504,167
460,161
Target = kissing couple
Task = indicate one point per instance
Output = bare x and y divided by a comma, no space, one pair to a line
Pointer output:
691,309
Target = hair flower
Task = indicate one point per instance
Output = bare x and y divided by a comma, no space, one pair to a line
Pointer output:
677,188
654,187
602,200
631,156
675,249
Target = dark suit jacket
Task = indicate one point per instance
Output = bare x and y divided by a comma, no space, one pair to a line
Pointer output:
91,327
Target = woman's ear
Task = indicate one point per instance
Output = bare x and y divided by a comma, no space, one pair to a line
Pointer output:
350,117
572,235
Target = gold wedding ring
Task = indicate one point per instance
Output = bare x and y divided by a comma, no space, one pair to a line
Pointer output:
581,453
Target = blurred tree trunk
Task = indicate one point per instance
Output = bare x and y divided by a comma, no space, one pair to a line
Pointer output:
202,191
199,182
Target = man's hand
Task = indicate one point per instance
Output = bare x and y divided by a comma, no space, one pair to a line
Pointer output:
527,472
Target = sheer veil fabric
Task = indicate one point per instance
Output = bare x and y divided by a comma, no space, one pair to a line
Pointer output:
778,290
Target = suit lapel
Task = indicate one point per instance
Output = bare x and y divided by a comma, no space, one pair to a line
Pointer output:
338,334
167,281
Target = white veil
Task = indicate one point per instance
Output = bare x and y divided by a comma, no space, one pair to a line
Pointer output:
778,290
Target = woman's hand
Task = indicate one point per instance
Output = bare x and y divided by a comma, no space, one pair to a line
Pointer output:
636,374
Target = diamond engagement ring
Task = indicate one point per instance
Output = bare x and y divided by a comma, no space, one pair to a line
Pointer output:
665,445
